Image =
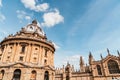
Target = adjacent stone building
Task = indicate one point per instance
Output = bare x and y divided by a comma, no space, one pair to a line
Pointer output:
107,68
28,55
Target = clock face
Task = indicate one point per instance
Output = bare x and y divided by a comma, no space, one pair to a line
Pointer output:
31,28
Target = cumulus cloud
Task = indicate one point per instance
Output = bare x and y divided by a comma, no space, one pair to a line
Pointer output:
32,5
52,18
73,58
2,18
3,33
23,15
56,46
0,3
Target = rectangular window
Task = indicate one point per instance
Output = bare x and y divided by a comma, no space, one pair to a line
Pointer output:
23,49
21,58
46,52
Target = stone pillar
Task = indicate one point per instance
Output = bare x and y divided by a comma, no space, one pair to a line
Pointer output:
31,52
11,72
13,53
38,77
27,74
28,53
7,75
17,52
4,54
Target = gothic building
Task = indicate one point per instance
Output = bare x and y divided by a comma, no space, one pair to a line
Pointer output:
29,55
107,68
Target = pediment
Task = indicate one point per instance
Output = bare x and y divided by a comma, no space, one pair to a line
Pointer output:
109,57
18,65
49,68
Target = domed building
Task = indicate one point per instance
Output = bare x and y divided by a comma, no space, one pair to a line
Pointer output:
27,55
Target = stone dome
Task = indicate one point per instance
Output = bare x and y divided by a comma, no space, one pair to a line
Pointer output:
33,28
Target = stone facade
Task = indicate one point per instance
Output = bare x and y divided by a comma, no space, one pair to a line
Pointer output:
28,55
107,68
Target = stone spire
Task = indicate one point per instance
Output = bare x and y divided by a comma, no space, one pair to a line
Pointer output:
118,52
101,56
82,67
90,58
108,51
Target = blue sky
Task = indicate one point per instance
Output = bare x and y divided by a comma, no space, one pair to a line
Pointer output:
75,26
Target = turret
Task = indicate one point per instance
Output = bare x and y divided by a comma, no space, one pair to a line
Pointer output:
82,67
90,58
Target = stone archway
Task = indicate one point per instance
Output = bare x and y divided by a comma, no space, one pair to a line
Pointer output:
17,74
46,75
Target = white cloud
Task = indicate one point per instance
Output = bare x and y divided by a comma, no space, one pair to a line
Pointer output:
3,34
52,18
0,3
27,17
56,46
2,18
31,4
23,15
73,60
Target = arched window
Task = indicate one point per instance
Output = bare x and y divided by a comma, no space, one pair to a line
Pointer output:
46,75
17,74
2,72
99,70
67,77
113,67
33,75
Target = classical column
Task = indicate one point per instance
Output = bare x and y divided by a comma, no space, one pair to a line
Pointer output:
39,55
14,51
4,53
27,74
17,52
31,51
27,54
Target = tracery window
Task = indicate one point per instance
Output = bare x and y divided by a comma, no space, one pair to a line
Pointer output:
99,70
33,75
113,67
